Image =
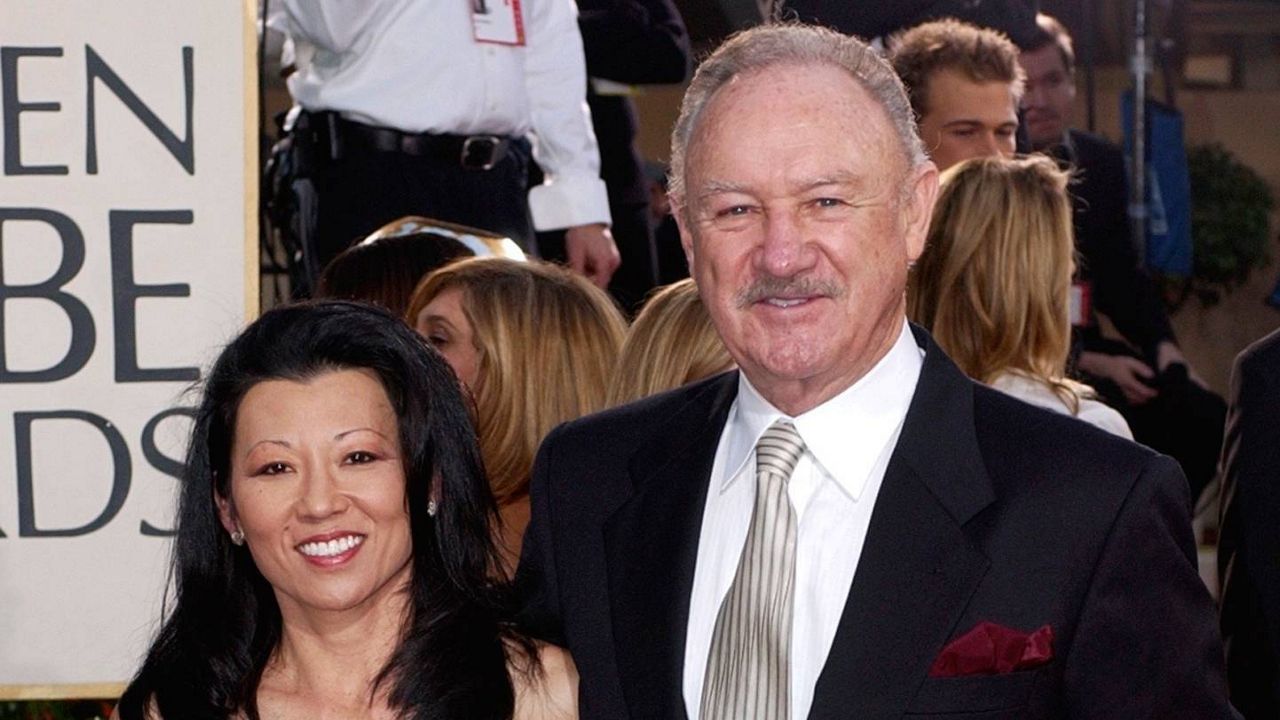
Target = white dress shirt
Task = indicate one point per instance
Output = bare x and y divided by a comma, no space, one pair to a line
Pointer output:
414,65
848,442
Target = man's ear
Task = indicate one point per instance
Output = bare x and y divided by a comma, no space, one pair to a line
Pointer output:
226,513
921,194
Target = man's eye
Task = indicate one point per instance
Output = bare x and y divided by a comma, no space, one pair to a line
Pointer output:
828,202
734,211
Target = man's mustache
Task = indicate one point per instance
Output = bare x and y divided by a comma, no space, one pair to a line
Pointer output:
774,286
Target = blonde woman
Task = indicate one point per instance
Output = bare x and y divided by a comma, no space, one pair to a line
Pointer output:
671,343
535,344
993,284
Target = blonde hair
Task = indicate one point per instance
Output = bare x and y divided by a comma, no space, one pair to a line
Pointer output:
671,343
993,282
547,340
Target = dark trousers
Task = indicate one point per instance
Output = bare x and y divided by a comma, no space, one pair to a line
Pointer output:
1185,421
638,273
359,192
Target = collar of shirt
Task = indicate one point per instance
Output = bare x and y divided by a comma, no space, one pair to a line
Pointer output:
845,434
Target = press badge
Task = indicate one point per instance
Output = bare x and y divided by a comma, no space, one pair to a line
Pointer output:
1080,309
497,21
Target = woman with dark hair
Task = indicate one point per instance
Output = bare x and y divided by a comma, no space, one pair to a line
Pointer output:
333,554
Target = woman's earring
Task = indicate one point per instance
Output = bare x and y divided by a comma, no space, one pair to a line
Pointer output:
431,508
237,537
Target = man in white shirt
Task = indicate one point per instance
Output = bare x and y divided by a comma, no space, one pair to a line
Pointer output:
848,527
423,108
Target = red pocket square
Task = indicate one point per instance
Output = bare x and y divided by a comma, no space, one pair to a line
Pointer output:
991,649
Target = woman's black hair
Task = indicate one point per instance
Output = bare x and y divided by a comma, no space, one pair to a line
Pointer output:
209,655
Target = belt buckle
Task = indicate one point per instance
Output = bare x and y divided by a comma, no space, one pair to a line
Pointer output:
480,152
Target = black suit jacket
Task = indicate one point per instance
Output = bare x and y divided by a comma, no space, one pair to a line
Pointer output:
1122,290
990,510
1249,546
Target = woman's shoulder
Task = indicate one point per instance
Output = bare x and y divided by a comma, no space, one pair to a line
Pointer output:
1101,415
1028,389
546,687
1088,408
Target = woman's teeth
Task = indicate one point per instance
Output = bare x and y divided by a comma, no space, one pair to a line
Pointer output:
337,546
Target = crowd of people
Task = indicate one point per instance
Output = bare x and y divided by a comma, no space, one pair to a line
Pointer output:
873,459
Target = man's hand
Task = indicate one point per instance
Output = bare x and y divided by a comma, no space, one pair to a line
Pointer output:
1126,372
592,252
1168,354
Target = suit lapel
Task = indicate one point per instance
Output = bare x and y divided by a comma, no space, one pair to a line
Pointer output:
917,569
651,546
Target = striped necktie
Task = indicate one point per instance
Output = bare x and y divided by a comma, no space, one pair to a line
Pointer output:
749,666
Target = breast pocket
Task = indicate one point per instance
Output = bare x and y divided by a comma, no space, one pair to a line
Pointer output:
978,697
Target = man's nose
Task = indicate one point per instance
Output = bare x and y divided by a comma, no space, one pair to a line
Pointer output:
1033,96
784,250
992,145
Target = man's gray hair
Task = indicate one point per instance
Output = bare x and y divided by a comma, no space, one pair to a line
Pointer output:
776,44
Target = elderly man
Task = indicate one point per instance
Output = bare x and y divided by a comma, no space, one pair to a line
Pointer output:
847,527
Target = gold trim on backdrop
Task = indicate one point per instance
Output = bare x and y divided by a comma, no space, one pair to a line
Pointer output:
89,691
252,173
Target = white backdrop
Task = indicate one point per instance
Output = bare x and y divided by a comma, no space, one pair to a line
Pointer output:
126,260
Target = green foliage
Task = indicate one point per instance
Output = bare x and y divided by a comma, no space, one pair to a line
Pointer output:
1230,221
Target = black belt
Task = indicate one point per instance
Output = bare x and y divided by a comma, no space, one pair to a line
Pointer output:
473,152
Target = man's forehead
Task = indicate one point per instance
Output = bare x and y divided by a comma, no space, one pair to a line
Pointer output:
1042,61
952,95
790,104
796,81
801,180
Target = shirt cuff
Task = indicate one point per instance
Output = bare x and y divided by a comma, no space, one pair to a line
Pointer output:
565,202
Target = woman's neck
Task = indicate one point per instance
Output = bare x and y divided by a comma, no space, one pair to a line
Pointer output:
332,656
